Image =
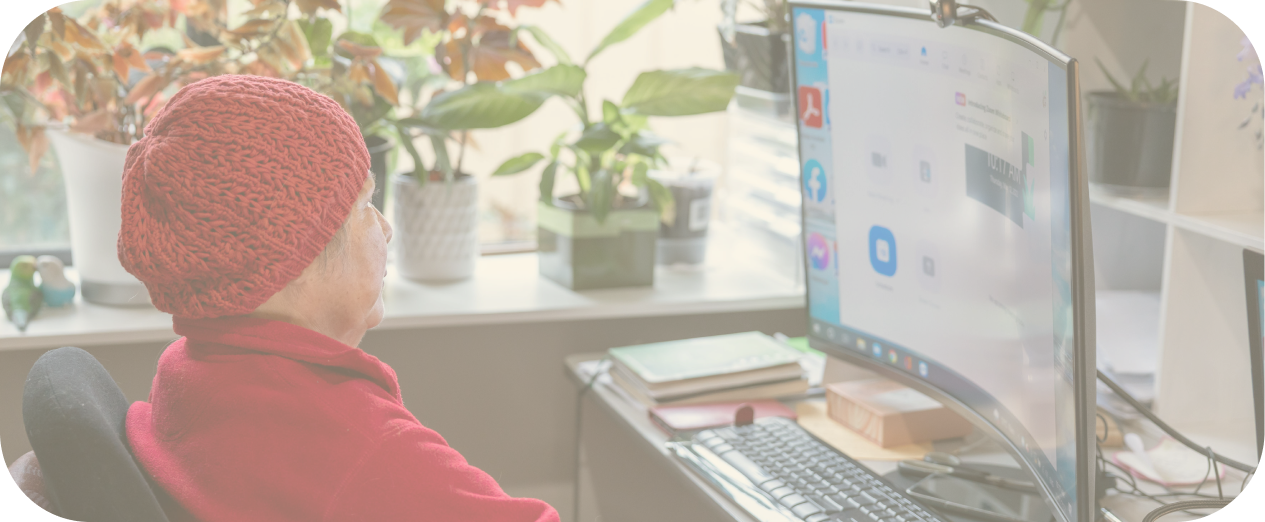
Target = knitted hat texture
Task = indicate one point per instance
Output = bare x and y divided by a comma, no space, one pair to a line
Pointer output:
237,186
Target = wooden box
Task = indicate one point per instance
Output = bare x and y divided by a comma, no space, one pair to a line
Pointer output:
891,414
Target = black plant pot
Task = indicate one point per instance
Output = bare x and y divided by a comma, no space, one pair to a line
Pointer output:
378,149
1129,145
760,57
577,252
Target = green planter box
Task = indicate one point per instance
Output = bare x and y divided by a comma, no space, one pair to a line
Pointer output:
579,253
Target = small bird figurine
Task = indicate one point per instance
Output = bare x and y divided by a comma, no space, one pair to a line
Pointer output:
21,299
58,291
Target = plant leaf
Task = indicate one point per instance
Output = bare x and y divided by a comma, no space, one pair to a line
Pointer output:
33,31
406,139
356,50
487,105
200,55
1114,83
560,80
644,144
610,114
442,163
318,33
601,194
494,50
518,164
633,22
662,198
597,138
384,85
556,147
547,178
548,43
93,122
415,15
309,7
680,92
145,88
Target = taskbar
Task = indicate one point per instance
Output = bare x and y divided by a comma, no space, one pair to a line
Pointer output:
859,344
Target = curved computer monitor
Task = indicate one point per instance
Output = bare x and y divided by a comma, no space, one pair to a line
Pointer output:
946,227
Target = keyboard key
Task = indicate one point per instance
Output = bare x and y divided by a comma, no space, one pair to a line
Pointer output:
792,500
721,448
827,505
861,499
772,485
781,492
744,465
805,509
819,517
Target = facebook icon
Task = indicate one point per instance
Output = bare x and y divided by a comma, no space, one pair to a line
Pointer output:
814,180
883,251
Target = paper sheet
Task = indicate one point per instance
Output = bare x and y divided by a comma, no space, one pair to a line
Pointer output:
813,418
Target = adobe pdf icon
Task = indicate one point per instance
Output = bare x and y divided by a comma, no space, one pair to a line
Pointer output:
810,106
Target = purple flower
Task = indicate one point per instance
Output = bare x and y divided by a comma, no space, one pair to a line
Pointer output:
1254,76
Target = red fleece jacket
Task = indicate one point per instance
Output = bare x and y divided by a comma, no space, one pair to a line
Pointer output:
262,420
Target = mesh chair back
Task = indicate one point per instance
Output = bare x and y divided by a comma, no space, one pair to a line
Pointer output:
74,415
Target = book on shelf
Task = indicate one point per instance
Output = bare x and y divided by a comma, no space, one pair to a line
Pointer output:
734,367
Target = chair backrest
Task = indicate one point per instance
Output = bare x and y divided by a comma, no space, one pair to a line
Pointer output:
74,415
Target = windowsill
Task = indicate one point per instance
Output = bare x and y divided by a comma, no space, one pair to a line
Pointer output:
505,289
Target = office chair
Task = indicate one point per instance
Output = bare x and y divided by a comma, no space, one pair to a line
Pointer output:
74,415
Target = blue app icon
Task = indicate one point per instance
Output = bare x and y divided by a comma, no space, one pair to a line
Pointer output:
878,350
883,250
814,181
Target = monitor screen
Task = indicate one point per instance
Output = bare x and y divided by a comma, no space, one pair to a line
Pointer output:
937,185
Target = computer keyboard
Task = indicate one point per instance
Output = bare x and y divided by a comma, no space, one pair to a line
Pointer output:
811,479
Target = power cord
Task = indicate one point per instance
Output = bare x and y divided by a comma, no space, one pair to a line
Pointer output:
598,370
1184,505
1206,501
1169,429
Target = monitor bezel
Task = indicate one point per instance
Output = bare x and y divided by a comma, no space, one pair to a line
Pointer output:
1253,271
1084,347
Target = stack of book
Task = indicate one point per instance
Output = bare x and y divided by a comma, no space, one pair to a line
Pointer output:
735,367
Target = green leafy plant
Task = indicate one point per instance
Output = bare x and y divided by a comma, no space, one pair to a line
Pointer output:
1141,90
471,87
609,149
1034,17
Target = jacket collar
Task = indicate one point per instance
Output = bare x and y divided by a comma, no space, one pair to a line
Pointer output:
290,341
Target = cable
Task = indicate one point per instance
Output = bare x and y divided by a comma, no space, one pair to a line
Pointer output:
598,370
1184,505
1169,429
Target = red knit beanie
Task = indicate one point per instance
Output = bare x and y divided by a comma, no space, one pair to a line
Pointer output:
237,186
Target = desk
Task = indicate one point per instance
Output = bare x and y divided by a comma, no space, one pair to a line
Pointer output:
635,479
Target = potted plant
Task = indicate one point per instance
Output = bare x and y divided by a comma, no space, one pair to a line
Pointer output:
87,85
436,206
604,234
759,51
1129,136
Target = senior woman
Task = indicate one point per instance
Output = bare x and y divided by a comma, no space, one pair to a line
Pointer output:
247,214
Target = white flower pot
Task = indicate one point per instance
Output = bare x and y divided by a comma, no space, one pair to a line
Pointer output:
436,228
93,173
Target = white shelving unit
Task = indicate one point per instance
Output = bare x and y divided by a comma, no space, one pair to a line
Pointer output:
1214,210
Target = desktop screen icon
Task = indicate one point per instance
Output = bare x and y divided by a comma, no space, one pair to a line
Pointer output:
960,99
860,344
810,106
882,251
922,369
892,357
818,251
877,349
814,180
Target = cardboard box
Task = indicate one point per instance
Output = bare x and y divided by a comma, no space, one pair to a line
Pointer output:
892,414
